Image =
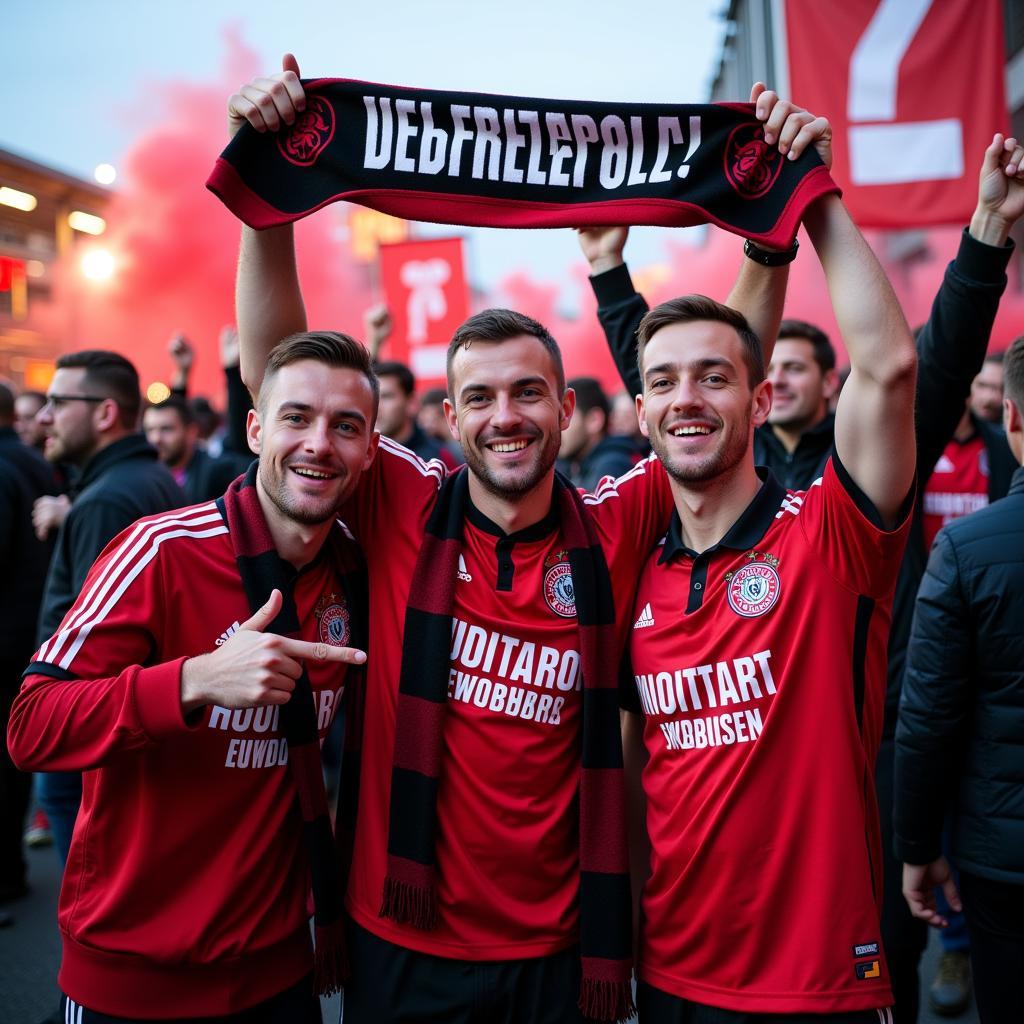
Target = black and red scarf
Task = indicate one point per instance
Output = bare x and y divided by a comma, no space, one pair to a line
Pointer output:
262,570
508,161
410,893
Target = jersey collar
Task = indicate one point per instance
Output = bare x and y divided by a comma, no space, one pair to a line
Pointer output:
744,534
536,531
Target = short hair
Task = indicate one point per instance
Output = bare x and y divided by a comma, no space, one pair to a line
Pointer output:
496,325
690,308
111,376
37,395
6,404
178,404
331,348
999,358
590,395
401,373
1013,375
433,396
823,350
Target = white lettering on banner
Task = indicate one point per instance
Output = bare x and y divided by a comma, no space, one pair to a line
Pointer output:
891,152
522,146
719,684
513,674
425,280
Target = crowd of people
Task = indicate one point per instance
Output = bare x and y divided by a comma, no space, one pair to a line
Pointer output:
699,700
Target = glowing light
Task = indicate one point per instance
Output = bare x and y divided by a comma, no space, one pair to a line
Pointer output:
158,391
19,200
98,265
105,174
35,268
88,223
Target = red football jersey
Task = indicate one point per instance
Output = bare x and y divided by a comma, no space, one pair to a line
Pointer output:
507,835
760,668
186,881
957,487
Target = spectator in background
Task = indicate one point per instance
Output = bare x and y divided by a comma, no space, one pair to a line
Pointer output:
24,477
396,417
987,390
91,417
431,419
960,734
26,407
587,451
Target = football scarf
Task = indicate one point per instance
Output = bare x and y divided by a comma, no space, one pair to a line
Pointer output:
262,570
410,894
507,161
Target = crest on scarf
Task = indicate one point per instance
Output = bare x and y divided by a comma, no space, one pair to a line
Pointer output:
751,165
332,617
558,588
308,137
754,589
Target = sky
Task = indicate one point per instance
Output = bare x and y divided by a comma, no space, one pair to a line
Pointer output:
83,81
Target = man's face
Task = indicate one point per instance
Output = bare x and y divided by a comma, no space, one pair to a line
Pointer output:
574,437
70,419
987,393
432,421
507,412
697,406
800,389
623,420
168,433
31,433
393,411
313,431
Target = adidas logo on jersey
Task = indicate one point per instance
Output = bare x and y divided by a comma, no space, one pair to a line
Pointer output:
228,633
944,465
463,572
646,618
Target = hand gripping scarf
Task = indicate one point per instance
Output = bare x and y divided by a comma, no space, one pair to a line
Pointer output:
262,570
507,161
410,894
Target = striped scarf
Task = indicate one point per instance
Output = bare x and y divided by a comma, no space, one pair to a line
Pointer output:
262,570
410,893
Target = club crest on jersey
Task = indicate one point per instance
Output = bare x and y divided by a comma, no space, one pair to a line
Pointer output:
753,589
558,588
332,616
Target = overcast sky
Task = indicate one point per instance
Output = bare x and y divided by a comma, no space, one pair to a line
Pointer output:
75,74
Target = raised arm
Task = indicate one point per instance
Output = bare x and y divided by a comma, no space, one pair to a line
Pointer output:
875,420
268,299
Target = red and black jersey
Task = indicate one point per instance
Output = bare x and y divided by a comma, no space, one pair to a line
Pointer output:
185,886
760,668
957,487
507,835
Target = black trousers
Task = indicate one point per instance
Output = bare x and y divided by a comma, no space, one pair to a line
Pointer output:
995,923
657,1007
15,788
393,985
295,1005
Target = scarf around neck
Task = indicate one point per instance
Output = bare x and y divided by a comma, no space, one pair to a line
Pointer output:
478,159
410,893
262,570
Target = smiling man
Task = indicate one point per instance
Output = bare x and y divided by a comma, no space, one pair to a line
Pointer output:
758,662
190,683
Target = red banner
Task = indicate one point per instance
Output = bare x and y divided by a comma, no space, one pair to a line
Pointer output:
914,90
10,269
425,288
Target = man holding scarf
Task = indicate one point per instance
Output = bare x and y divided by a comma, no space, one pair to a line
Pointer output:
191,683
489,878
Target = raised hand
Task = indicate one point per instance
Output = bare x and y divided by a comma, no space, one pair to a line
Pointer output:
603,246
792,127
268,103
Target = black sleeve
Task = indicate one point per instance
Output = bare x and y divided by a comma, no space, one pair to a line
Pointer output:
91,530
620,308
951,345
239,404
933,708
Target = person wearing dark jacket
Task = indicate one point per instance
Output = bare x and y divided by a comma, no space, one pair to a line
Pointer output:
90,416
24,477
960,733
588,453
951,348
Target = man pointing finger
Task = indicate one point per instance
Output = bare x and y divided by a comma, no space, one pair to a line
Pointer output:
191,682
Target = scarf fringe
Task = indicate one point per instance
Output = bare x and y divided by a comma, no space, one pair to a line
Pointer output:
409,904
606,1000
330,959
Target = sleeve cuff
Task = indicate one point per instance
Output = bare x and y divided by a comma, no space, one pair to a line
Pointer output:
613,286
866,506
915,852
979,261
158,698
